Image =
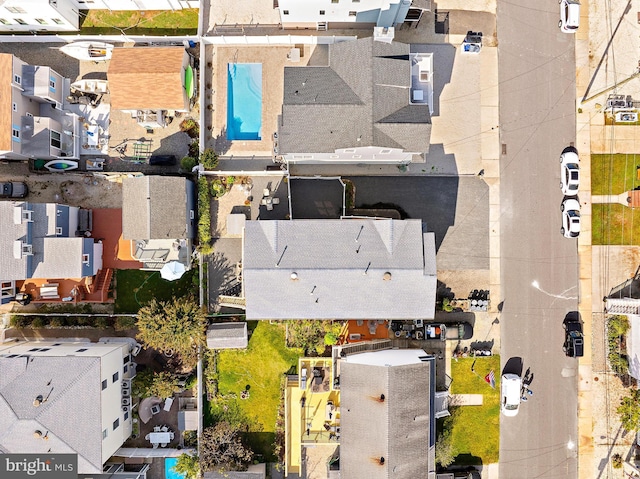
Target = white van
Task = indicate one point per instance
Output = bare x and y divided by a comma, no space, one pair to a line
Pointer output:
569,16
511,392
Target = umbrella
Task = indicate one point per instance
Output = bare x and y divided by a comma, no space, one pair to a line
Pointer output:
172,270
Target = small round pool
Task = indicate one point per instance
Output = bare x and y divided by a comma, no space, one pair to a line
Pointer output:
169,473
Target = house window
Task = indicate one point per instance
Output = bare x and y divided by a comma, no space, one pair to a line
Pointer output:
125,368
355,1
115,376
105,433
126,415
104,384
352,13
116,423
285,12
385,152
58,230
41,21
17,79
20,21
321,12
14,106
16,9
52,84
55,139
82,350
85,258
4,21
44,350
15,133
34,349
30,115
335,1
57,21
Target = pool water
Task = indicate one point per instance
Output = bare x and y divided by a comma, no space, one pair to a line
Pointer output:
244,101
169,473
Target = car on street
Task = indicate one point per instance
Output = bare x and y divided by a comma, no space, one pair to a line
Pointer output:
569,172
13,189
573,338
453,331
570,218
511,392
569,16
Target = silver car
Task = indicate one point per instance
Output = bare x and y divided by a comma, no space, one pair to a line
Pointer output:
569,172
570,218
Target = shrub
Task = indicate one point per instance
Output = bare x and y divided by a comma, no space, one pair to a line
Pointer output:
209,159
230,180
125,322
194,149
190,127
20,322
217,188
204,216
38,323
57,322
187,163
102,323
616,461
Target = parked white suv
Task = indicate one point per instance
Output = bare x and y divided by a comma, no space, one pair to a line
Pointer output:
569,172
569,16
511,392
570,218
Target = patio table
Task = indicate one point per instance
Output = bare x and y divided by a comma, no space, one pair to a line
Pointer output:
159,437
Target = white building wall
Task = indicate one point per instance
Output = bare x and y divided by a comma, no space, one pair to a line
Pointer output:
364,154
38,15
136,4
388,12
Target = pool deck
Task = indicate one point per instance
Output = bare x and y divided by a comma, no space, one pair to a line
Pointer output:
273,60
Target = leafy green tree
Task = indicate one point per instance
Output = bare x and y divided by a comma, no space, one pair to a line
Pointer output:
629,411
312,335
147,384
221,449
179,325
187,163
188,466
618,325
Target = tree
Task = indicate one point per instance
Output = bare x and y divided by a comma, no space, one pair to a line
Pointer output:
187,163
445,451
629,411
179,325
312,334
188,466
221,449
147,384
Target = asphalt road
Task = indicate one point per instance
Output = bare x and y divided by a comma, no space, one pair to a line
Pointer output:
539,267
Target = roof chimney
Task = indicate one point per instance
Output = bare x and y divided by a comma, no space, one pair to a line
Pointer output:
294,276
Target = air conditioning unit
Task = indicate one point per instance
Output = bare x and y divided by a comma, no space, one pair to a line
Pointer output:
126,392
125,408
126,384
126,401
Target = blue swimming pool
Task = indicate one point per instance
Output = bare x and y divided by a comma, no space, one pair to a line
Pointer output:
244,101
169,473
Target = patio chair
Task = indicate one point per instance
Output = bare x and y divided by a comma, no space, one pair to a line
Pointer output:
266,192
164,444
269,206
164,429
171,436
155,445
147,437
276,201
156,428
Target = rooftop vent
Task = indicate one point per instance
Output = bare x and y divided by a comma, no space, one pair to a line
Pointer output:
294,276
38,400
386,276
37,434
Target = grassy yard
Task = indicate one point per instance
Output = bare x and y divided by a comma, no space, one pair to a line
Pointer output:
135,288
476,429
615,224
135,22
614,174
261,367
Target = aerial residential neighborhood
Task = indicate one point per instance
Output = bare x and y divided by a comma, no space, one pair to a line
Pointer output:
323,239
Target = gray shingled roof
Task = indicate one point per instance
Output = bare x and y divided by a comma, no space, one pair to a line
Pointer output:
58,258
227,336
10,267
154,207
397,428
71,416
339,268
342,106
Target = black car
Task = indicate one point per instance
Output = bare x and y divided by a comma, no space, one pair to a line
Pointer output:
573,339
13,189
162,160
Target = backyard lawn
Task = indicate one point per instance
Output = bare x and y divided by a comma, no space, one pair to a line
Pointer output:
135,288
136,22
614,174
476,429
261,367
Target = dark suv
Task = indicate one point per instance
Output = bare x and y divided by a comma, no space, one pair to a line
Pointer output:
13,189
573,339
